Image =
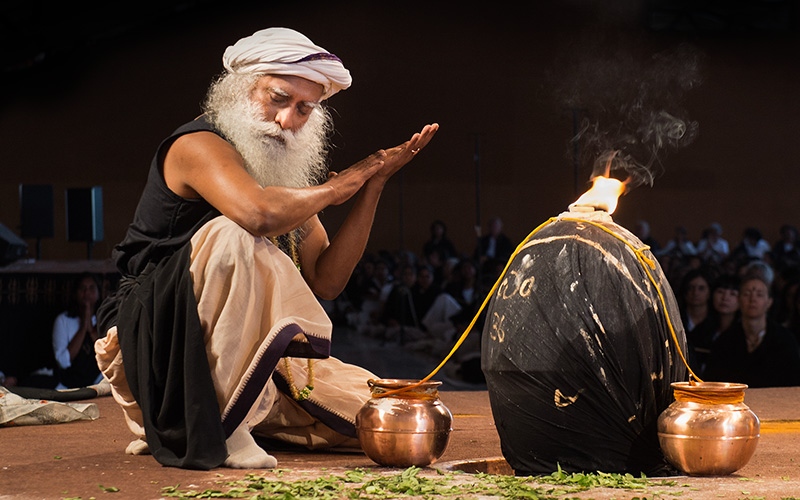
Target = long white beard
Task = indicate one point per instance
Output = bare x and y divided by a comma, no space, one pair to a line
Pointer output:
273,156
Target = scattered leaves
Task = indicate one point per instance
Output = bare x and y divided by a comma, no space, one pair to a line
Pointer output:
364,484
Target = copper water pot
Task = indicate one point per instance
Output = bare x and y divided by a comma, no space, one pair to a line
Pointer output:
411,427
708,430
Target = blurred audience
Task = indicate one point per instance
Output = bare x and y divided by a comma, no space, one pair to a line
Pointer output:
756,350
712,247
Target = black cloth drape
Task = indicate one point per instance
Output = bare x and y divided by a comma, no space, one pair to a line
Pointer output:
578,355
166,366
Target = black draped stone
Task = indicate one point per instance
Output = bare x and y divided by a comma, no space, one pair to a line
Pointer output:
577,351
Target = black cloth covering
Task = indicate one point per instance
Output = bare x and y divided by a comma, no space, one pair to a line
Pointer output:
166,366
578,355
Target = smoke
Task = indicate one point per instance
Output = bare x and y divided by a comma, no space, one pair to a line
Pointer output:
630,105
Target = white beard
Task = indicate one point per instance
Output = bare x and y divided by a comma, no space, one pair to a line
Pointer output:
273,156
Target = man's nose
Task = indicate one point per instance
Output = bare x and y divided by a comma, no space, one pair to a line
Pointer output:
285,118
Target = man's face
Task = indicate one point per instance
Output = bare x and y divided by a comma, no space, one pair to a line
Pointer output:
697,292
286,100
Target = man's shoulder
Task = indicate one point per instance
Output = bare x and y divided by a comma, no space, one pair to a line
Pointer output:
201,123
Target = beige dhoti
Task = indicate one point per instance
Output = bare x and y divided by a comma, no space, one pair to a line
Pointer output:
255,307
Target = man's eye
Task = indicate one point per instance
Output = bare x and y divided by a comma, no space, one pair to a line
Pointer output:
278,98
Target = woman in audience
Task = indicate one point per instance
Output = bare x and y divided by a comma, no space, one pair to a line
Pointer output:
723,312
74,334
755,350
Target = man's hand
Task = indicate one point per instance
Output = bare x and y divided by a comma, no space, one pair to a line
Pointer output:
379,166
398,156
327,265
347,183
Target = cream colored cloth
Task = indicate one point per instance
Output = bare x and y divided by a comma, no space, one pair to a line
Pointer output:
282,51
247,291
16,410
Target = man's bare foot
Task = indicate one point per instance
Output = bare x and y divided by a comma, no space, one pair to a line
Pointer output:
138,447
244,453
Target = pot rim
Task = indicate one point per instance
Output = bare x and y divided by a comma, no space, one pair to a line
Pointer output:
400,383
724,387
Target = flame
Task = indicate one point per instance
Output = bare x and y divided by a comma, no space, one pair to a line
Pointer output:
603,194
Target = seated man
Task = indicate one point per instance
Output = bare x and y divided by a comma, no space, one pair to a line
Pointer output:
216,331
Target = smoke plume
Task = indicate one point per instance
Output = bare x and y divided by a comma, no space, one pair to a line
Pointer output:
630,106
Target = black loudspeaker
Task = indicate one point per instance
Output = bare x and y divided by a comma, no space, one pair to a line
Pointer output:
85,214
36,207
12,247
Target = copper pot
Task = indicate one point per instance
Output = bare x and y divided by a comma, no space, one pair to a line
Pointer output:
411,427
708,430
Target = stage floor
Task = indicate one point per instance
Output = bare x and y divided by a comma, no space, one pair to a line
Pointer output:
86,459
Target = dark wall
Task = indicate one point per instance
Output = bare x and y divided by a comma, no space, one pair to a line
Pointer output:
93,111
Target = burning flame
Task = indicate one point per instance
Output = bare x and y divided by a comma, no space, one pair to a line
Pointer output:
603,194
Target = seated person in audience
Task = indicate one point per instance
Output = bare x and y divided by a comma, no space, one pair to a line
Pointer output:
694,298
713,247
755,350
679,247
400,313
494,245
439,247
752,247
424,290
74,334
786,251
723,312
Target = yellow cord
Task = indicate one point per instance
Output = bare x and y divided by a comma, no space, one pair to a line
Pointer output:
709,396
648,263
645,261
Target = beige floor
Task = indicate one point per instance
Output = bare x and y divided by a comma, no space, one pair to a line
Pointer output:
74,460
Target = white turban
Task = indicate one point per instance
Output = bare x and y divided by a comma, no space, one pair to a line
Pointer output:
282,51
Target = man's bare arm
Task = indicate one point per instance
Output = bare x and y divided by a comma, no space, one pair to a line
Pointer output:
203,165
327,266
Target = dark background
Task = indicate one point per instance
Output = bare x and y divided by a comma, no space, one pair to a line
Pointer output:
89,90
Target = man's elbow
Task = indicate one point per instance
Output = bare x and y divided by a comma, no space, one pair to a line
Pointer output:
326,291
262,222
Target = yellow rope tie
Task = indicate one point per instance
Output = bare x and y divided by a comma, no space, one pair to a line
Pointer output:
709,397
472,323
645,261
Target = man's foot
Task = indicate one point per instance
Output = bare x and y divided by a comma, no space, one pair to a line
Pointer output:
244,453
138,447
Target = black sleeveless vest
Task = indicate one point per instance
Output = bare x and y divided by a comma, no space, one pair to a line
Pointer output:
163,221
